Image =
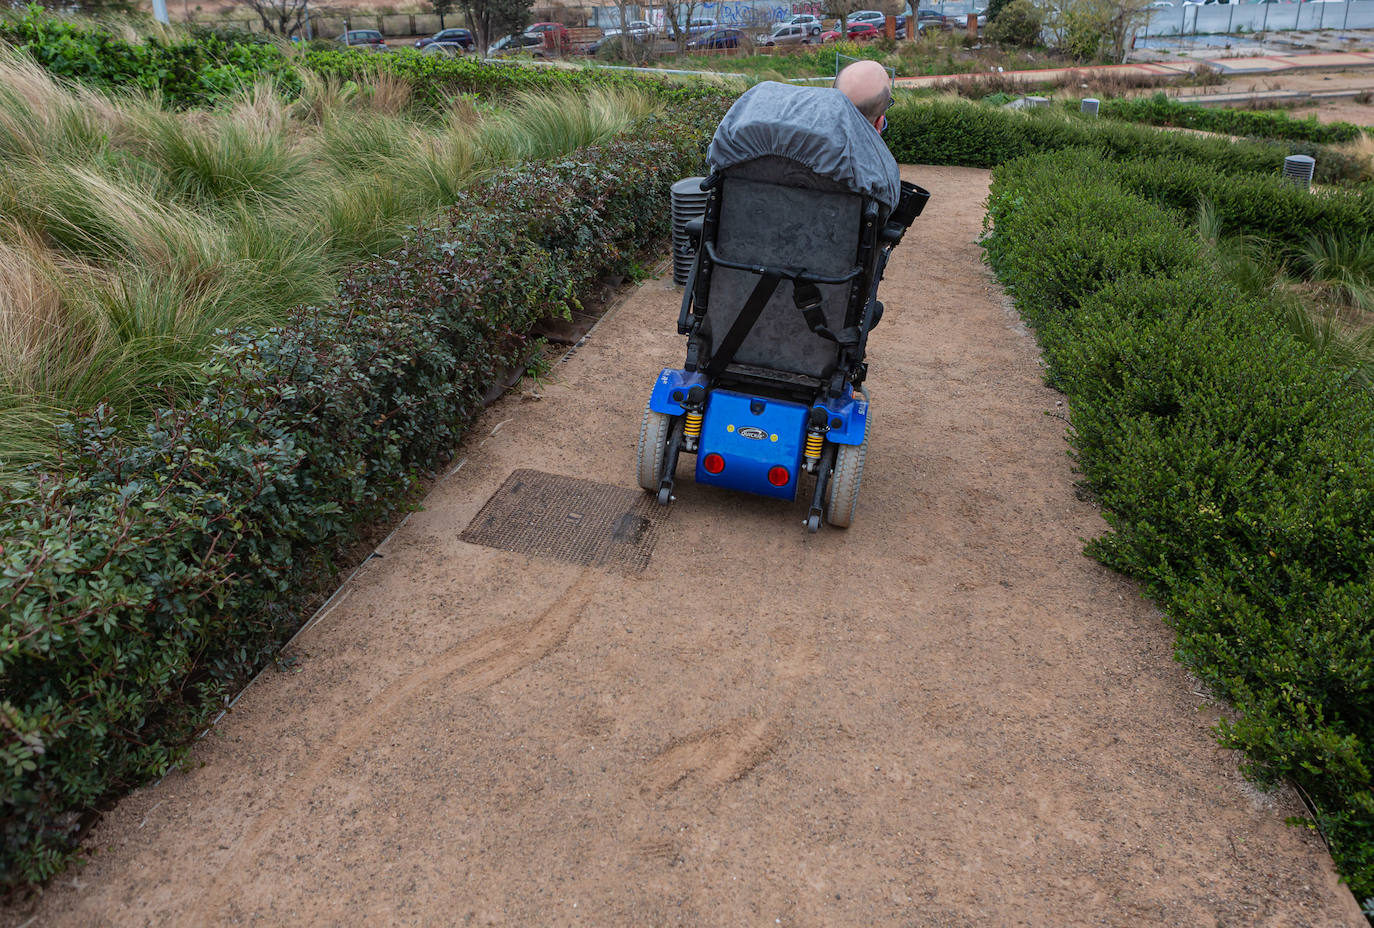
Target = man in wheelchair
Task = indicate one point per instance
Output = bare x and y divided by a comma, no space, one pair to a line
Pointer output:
868,87
804,207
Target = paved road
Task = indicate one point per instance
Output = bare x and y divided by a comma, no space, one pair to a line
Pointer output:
943,716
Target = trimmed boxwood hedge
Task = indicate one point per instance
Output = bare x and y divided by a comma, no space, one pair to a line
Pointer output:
980,136
1161,110
142,580
1234,465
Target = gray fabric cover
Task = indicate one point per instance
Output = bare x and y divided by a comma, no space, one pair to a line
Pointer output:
816,126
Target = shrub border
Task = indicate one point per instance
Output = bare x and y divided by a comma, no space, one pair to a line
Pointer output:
1234,465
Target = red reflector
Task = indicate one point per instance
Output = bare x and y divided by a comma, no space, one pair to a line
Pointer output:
713,463
779,476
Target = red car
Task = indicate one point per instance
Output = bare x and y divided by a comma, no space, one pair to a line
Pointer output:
553,35
857,32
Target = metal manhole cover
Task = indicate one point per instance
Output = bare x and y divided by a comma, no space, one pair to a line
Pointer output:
573,520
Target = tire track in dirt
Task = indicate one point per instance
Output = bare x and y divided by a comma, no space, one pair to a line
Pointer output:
709,759
713,758
477,663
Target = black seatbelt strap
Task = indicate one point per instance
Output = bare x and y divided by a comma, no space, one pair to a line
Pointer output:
749,314
807,296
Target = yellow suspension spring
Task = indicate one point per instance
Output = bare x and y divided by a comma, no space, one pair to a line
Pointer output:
692,427
814,441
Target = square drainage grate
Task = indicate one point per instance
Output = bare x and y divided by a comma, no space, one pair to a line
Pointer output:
569,519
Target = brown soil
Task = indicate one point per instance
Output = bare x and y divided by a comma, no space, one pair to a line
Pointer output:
1343,109
945,715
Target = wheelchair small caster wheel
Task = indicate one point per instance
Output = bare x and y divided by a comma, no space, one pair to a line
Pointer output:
665,496
813,523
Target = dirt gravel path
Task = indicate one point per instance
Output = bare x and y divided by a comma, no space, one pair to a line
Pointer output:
943,716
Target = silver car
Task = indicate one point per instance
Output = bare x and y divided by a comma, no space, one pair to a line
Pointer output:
812,23
785,34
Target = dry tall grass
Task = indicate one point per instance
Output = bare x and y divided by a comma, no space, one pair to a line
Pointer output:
1324,289
134,234
1100,82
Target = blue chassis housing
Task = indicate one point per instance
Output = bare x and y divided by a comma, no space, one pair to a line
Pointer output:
754,434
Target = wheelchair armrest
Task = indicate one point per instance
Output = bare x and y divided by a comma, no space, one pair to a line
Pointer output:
693,230
912,202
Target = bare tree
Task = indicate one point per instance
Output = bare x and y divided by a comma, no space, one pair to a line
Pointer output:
677,17
280,17
442,8
1091,28
840,9
492,18
625,40
1128,18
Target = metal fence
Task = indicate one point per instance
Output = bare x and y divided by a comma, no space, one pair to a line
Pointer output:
1239,18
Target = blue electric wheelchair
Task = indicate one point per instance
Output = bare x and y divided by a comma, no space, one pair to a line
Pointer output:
804,207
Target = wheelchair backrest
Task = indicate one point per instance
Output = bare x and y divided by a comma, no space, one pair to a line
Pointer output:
775,212
778,213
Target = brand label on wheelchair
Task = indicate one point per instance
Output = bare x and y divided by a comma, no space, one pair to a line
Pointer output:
750,432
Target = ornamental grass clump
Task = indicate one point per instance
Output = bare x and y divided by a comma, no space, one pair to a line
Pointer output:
157,229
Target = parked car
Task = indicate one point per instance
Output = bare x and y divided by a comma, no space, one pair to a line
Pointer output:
930,19
696,26
637,38
364,37
515,44
552,35
812,24
637,28
868,16
857,32
784,34
718,38
454,38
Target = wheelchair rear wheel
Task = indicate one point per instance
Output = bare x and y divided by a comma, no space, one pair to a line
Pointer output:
842,494
654,433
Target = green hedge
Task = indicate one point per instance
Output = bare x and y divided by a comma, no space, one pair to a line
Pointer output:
1161,110
207,65
144,580
187,73
1234,466
437,79
1263,205
975,135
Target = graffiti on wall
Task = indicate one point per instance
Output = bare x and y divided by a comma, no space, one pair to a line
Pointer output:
743,12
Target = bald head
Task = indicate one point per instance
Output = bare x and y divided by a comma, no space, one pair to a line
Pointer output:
865,83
